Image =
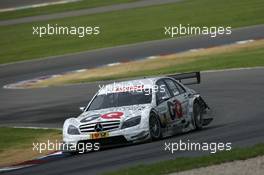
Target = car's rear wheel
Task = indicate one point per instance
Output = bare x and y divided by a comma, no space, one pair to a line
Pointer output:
154,127
198,116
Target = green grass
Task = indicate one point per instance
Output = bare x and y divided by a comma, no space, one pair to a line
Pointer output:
246,58
128,26
59,8
181,164
251,57
16,138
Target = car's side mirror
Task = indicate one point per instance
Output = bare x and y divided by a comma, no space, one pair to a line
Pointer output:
82,109
162,99
165,98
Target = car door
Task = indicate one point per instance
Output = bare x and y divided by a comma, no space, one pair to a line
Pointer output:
163,95
178,104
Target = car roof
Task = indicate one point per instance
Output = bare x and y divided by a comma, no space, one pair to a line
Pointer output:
144,83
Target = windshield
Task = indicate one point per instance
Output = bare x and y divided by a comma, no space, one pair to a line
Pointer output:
120,99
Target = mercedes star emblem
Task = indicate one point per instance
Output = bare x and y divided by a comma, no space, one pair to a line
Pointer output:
98,127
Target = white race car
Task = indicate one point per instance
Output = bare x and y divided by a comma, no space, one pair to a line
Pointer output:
139,110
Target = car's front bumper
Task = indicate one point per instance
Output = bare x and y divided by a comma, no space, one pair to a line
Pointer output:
132,134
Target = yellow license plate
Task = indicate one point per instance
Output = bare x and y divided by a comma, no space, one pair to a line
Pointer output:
99,135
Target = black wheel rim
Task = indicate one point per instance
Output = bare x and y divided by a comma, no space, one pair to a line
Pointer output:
154,127
198,118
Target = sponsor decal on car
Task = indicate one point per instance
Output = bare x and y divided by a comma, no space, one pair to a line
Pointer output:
113,115
90,118
175,109
99,135
130,88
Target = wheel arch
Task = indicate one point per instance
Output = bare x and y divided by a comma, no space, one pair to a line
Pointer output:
153,111
198,99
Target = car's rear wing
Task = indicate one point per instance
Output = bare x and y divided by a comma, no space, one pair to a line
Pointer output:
187,78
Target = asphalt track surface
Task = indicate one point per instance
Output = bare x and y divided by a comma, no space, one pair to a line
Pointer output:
89,11
235,96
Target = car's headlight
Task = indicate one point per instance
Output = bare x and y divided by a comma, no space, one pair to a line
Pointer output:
131,122
72,130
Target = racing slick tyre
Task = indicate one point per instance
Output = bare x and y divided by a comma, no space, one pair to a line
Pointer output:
198,116
154,127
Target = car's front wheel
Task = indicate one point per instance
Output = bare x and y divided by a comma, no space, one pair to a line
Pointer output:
154,127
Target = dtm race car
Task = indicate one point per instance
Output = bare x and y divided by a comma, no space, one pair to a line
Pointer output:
140,110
